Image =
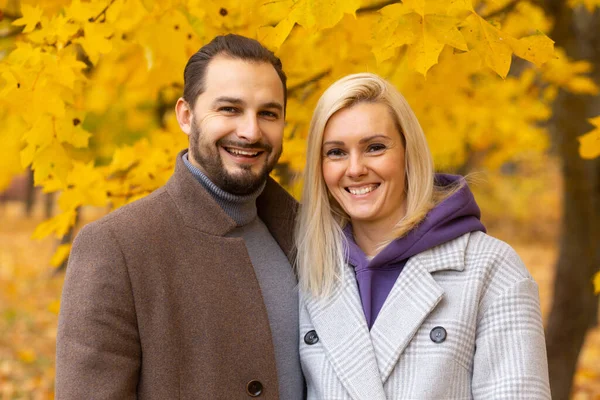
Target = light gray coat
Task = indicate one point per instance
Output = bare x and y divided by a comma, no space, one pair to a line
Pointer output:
476,288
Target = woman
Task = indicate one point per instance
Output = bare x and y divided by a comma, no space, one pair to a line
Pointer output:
403,295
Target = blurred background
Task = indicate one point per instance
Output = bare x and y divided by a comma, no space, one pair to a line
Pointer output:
506,92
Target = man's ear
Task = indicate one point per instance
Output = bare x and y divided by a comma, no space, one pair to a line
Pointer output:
184,115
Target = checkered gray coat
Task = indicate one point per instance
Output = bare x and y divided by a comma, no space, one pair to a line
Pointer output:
491,347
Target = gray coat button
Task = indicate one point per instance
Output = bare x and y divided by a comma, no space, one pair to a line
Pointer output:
438,334
311,337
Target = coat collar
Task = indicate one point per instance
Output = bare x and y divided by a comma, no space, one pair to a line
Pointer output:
362,358
199,211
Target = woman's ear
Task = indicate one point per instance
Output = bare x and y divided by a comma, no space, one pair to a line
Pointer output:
184,115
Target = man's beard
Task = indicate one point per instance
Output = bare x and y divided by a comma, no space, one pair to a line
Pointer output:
243,181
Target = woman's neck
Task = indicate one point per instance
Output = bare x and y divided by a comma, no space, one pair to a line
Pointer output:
369,236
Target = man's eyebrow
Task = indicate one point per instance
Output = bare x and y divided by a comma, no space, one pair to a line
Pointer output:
229,100
273,104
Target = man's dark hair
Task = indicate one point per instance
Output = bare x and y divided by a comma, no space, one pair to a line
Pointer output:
234,46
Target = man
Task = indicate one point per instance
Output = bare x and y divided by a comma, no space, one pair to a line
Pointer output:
189,293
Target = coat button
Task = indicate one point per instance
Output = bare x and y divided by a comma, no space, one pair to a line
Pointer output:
438,334
254,388
311,337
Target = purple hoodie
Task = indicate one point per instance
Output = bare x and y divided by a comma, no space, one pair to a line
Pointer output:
453,217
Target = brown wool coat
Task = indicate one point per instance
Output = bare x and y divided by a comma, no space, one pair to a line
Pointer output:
159,304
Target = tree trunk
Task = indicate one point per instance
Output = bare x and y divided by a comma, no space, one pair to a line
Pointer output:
575,307
29,193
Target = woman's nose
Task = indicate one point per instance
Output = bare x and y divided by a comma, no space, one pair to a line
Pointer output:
356,167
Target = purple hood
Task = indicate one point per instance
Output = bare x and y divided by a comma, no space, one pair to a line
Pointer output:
453,217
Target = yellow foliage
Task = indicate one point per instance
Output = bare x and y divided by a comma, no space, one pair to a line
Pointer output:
597,283
589,144
87,88
569,75
590,5
27,355
31,17
59,257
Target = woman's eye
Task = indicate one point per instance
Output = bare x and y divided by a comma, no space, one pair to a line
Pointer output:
376,147
334,153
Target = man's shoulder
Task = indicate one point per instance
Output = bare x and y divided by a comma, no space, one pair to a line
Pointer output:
137,217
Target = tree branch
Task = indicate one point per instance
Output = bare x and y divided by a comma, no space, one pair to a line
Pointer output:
376,7
309,81
10,33
103,12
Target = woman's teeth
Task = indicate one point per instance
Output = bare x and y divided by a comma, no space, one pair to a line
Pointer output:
362,190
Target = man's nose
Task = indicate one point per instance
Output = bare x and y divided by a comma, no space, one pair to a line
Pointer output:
249,129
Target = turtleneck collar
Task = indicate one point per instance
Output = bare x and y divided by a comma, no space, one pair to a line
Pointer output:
242,209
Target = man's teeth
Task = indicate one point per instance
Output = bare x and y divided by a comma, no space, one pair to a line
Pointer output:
362,190
239,152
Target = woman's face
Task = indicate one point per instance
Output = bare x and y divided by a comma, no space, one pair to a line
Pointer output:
363,164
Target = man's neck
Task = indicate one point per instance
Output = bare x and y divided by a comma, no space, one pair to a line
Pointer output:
241,208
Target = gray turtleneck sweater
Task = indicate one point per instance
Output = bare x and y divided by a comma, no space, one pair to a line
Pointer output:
275,277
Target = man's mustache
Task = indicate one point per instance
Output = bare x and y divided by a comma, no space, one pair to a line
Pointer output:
245,145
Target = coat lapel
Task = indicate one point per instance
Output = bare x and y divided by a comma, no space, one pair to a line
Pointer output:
413,297
342,329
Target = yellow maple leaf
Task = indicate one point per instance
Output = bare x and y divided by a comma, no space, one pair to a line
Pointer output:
274,36
51,162
70,130
537,48
589,144
398,26
491,43
54,306
497,47
60,255
422,25
318,14
58,225
31,17
41,132
58,30
94,40
569,74
82,12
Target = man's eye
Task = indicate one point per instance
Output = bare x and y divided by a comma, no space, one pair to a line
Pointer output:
269,114
229,110
376,147
334,153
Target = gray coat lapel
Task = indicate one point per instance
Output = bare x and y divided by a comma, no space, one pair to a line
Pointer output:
342,329
413,297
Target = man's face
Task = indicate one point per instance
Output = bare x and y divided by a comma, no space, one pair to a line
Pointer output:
236,128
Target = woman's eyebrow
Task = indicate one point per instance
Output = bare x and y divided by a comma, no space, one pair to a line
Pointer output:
372,137
333,143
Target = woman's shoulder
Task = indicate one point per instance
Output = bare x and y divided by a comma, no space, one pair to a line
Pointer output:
485,251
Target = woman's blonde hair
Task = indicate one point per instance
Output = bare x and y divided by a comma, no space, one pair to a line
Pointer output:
319,236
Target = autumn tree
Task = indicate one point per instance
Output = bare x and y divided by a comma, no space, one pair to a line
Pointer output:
87,87
575,307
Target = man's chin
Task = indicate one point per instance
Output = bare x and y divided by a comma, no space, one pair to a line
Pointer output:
243,182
